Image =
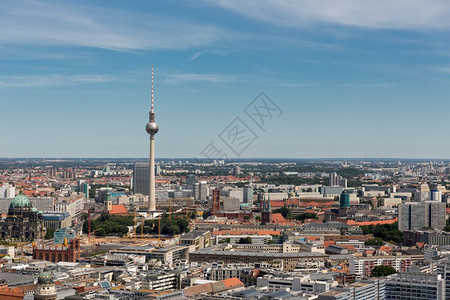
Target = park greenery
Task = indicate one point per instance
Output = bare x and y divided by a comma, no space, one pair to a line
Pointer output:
374,242
284,211
246,240
170,225
447,226
287,214
304,216
49,234
380,271
108,224
386,232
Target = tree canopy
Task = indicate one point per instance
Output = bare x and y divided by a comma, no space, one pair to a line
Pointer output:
387,232
380,271
170,225
284,211
304,216
108,224
246,240
374,242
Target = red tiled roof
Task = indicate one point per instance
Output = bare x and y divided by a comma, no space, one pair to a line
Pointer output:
10,292
385,248
277,218
233,283
353,222
277,203
198,289
292,201
213,287
349,247
118,209
328,243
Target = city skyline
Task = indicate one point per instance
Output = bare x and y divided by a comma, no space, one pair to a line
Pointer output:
76,82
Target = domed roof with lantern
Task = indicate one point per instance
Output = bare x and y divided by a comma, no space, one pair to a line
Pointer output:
21,201
45,278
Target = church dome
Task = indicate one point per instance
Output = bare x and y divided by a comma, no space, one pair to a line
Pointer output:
45,278
20,201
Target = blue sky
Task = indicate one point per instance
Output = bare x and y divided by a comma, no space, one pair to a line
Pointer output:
353,78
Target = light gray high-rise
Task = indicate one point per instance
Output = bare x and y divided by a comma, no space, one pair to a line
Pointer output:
415,286
419,215
141,178
248,194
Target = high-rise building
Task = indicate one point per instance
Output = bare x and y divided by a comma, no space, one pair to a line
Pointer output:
361,290
152,128
83,187
419,215
191,181
435,195
443,268
415,286
423,192
141,178
337,180
201,191
248,194
7,191
236,193
344,200
237,171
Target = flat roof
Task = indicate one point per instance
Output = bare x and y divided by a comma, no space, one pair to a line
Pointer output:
260,254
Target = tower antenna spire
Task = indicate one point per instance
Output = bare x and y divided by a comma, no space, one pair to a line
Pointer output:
152,128
152,110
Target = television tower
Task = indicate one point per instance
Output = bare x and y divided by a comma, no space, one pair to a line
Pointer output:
152,128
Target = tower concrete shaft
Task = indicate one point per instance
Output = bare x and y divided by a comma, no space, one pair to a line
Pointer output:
152,128
151,196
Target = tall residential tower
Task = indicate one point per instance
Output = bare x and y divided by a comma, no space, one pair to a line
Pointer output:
152,128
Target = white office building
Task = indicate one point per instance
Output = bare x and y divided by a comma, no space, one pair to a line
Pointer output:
415,286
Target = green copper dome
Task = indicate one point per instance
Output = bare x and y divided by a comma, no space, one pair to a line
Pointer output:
33,209
20,201
45,278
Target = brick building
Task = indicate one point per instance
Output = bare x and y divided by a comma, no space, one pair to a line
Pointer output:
69,251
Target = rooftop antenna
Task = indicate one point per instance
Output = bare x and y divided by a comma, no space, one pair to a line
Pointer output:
152,109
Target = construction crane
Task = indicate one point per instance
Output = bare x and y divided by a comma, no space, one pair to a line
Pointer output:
93,232
135,225
170,209
89,226
142,228
159,230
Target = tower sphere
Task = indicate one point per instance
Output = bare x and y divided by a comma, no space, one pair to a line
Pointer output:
152,127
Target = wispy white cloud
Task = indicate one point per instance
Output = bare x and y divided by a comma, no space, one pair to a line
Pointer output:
442,69
196,55
26,22
369,14
209,78
348,84
52,80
